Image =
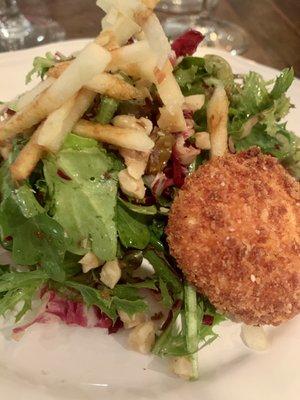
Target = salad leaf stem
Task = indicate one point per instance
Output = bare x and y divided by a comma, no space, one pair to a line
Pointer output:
107,110
191,326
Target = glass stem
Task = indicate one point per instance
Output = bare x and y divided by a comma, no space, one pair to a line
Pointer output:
14,26
206,9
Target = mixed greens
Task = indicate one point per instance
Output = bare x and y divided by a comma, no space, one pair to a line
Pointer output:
72,205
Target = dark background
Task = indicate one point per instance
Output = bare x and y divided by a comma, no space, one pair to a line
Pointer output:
273,26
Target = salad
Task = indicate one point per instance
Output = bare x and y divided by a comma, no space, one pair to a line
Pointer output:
92,159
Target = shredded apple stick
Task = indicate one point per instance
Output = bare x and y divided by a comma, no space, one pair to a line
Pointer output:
50,134
217,119
121,137
107,84
89,62
32,94
61,122
27,159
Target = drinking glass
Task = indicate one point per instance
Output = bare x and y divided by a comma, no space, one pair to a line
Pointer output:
18,31
179,15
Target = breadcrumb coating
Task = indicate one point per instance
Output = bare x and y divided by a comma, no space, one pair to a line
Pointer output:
234,230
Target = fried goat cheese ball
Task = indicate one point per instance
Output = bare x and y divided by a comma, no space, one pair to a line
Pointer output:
234,229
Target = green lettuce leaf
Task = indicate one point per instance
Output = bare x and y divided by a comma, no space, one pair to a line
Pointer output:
84,203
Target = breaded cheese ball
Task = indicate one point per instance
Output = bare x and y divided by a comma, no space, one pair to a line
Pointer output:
234,230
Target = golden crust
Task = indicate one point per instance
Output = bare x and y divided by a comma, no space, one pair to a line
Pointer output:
234,229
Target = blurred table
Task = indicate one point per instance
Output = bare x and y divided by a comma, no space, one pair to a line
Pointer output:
273,26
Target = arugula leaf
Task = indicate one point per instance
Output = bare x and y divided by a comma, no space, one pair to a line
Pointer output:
127,298
166,297
71,264
19,286
16,280
132,231
139,209
84,203
92,297
41,240
157,229
126,291
16,209
283,83
131,307
164,270
10,300
130,290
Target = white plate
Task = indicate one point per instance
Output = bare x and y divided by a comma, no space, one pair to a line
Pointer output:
67,363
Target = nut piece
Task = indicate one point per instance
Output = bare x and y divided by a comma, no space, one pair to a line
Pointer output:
130,186
129,121
89,261
136,162
254,337
183,367
131,321
142,337
202,140
194,102
110,273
